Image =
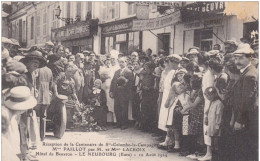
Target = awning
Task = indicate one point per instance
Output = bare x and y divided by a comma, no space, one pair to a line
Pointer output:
156,23
86,41
75,31
117,27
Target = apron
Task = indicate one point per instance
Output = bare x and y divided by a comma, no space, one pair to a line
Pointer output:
207,81
164,111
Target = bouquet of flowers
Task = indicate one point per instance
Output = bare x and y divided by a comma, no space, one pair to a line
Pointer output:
83,118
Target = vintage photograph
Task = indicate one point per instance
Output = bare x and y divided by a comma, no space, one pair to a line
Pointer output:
129,80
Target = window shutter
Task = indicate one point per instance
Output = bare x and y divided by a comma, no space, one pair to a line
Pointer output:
129,9
117,10
104,13
78,8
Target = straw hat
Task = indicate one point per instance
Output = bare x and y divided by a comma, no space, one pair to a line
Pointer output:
174,57
6,40
49,43
244,51
20,99
15,42
193,52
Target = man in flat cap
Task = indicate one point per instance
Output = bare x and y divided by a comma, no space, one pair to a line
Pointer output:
192,54
245,123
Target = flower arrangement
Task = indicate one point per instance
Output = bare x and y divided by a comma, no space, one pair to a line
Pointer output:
83,118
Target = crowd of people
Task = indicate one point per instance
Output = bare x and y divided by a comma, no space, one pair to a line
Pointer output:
202,105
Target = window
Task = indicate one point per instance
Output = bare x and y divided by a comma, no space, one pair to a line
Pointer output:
17,30
89,9
109,44
24,32
164,42
20,35
32,28
203,38
13,30
55,22
38,23
131,8
153,8
110,10
44,22
68,9
78,8
133,42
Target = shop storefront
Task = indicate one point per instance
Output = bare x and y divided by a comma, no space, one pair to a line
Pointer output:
120,36
204,25
158,33
77,37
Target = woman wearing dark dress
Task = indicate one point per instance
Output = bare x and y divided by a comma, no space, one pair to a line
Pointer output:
196,111
65,85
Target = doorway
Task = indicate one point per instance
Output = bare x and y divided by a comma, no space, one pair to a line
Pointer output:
164,42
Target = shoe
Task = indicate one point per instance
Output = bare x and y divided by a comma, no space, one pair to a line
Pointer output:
192,156
163,147
184,153
162,138
205,158
173,150
189,156
29,157
155,135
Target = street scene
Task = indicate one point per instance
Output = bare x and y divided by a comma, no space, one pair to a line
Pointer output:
123,81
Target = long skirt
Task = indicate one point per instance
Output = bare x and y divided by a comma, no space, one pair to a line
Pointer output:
207,139
163,112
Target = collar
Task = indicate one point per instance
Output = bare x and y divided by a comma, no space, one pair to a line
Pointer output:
242,70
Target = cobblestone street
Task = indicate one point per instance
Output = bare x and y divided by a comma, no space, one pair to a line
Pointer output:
145,145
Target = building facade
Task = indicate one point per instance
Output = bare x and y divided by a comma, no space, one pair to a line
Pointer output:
103,26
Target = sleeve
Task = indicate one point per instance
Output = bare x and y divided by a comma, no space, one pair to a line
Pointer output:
130,78
73,86
103,98
171,98
200,94
249,90
51,79
219,114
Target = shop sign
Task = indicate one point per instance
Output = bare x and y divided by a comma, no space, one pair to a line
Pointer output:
215,22
156,23
71,32
122,26
203,24
207,7
159,3
193,25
